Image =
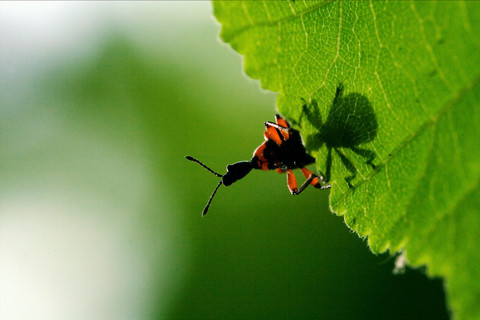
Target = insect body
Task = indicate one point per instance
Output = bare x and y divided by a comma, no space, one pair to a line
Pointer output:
282,150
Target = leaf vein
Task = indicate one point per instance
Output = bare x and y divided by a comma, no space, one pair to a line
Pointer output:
273,22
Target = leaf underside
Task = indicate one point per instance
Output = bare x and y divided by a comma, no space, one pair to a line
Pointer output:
386,97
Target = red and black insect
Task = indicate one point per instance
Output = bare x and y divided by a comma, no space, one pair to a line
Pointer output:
282,150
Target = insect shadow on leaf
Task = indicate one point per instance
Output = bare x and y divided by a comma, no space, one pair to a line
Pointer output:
350,123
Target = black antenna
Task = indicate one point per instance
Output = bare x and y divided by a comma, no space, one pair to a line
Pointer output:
204,212
198,161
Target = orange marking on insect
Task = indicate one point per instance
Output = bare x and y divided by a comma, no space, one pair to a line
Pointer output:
259,152
272,133
280,121
291,182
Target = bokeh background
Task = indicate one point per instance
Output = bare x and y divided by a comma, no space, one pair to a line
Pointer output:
100,214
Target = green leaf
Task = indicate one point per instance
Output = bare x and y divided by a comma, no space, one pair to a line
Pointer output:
386,97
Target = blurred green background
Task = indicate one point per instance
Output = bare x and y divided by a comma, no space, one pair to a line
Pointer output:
100,214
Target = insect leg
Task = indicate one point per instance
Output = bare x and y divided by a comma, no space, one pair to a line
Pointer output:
304,185
316,181
312,179
291,182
